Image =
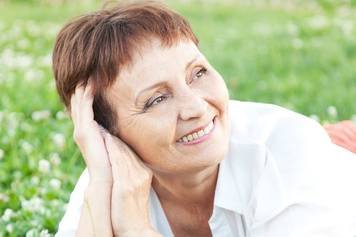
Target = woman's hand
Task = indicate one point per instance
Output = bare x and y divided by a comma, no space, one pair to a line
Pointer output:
116,200
96,213
88,135
343,134
130,190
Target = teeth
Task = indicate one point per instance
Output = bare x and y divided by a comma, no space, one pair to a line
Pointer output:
198,134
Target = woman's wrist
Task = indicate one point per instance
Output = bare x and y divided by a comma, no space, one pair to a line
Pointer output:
100,176
97,200
98,190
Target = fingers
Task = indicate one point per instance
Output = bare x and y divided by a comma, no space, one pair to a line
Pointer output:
75,102
112,152
82,104
124,161
89,91
87,100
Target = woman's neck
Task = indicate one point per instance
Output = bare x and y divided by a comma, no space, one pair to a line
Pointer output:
196,188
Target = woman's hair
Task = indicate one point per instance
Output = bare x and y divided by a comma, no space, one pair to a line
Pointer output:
98,45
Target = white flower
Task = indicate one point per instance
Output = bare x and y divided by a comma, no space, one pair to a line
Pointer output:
332,111
12,124
31,233
1,154
55,158
17,175
22,61
8,213
56,203
53,30
40,115
318,22
46,60
55,183
59,140
353,118
346,26
26,146
61,115
35,204
26,127
32,75
4,197
44,233
33,29
23,43
315,117
35,222
262,29
9,228
297,43
44,166
292,29
35,180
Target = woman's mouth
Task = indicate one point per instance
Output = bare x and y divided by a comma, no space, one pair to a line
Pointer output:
198,136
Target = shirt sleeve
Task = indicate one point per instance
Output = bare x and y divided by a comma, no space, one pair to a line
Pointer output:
69,223
319,179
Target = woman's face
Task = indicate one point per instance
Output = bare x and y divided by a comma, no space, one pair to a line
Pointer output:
172,108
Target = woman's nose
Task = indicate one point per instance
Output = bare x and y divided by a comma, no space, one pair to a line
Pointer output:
192,106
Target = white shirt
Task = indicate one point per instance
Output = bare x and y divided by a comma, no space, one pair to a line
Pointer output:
282,177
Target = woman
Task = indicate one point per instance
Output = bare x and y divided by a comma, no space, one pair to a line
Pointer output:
175,156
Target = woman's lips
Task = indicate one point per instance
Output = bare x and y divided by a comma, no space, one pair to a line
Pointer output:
198,136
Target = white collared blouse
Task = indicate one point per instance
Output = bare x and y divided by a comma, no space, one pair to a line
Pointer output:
282,177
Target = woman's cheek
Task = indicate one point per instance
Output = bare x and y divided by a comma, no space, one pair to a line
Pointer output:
217,88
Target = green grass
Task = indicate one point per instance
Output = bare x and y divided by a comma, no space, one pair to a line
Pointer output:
303,59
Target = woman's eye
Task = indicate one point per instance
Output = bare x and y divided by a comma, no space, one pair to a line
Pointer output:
156,101
200,73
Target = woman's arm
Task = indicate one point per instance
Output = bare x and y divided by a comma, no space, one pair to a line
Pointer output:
343,134
95,218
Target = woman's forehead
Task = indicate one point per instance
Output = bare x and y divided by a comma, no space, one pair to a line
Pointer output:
154,58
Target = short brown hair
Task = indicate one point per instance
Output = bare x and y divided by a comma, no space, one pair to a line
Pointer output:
99,44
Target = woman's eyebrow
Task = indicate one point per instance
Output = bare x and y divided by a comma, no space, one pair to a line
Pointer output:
158,84
192,61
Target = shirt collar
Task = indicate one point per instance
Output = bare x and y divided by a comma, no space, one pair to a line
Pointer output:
249,182
238,176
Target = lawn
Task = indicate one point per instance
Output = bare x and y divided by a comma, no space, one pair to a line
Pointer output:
302,58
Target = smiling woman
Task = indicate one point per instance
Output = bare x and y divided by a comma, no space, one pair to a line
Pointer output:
160,101
167,152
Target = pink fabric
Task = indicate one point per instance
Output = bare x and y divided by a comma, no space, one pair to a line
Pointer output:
343,134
